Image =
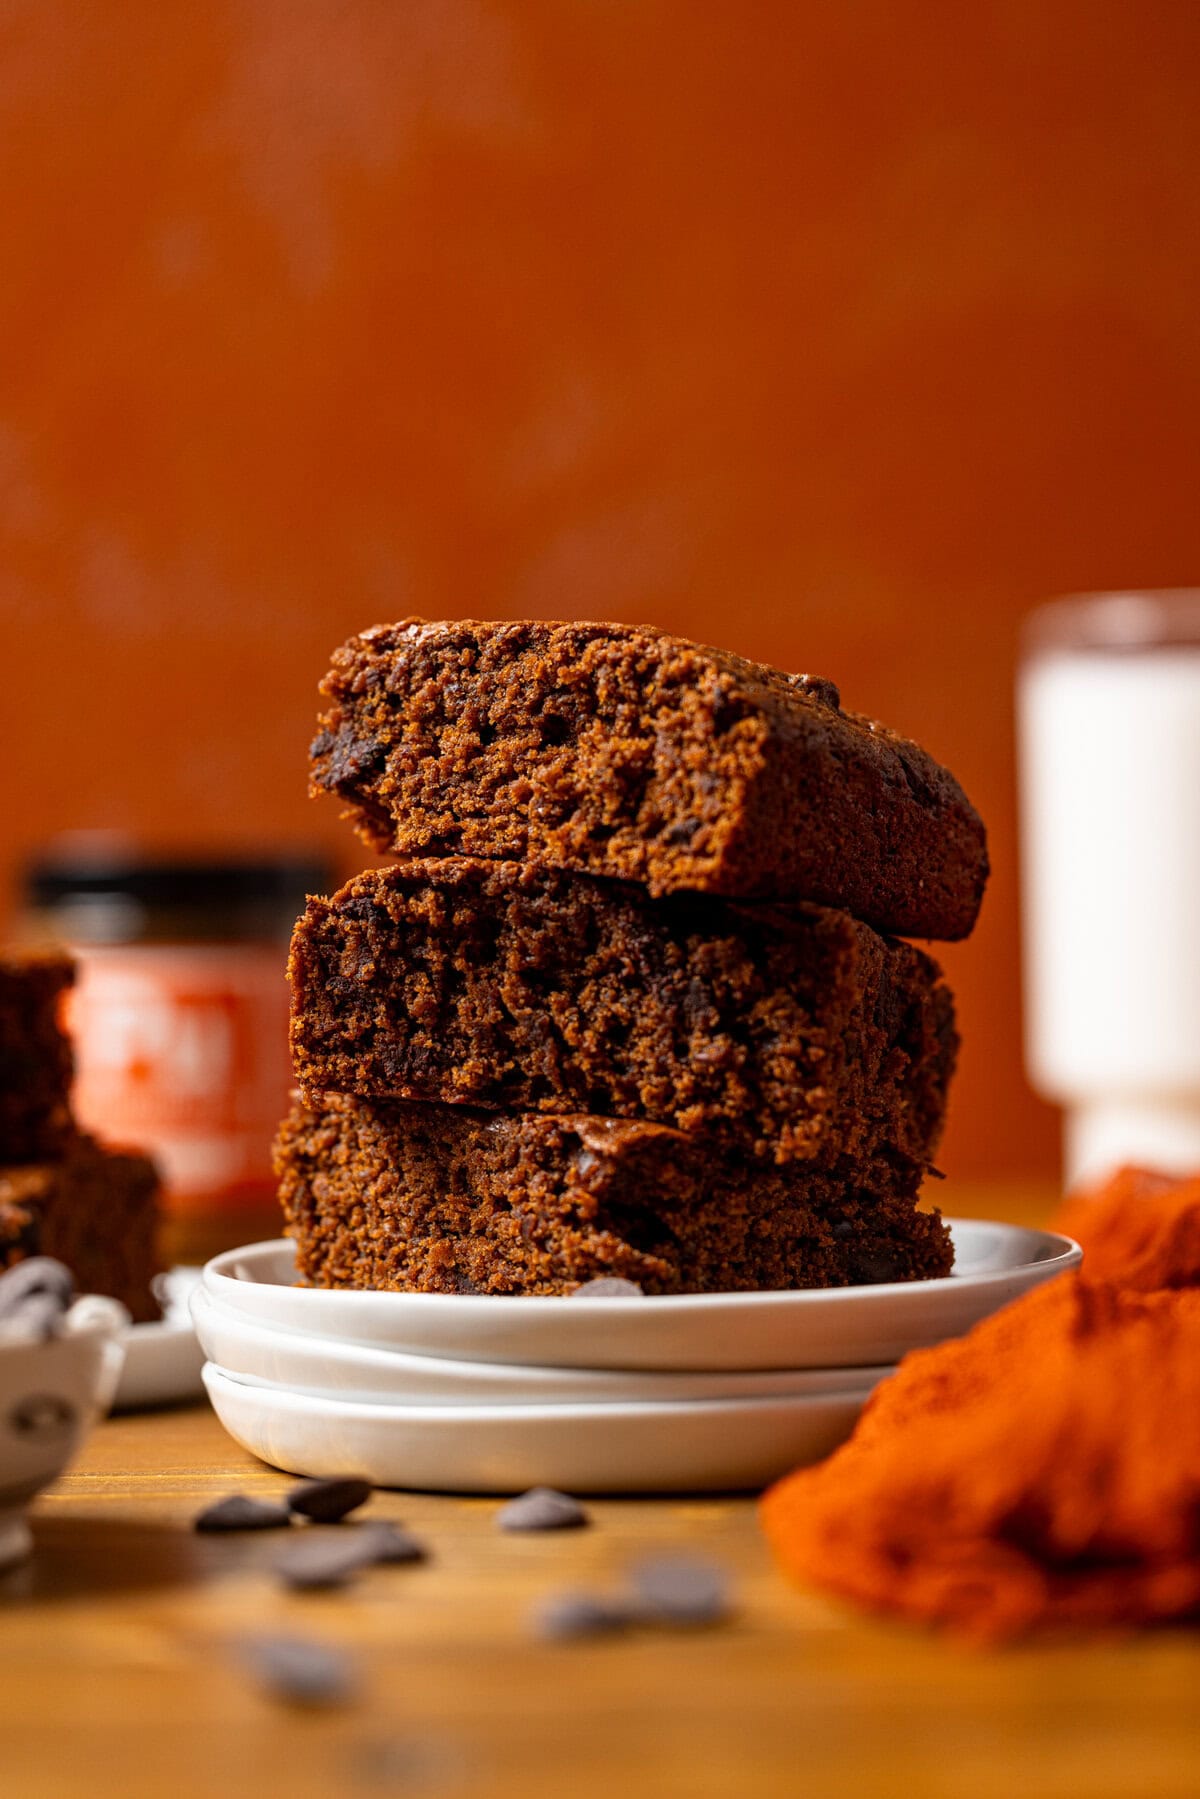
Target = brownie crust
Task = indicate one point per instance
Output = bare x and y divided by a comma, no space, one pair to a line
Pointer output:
621,751
786,1035
35,1056
443,1199
96,1210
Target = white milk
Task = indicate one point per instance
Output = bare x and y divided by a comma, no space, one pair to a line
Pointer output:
1110,800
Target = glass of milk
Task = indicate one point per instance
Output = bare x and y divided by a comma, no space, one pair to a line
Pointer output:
1108,702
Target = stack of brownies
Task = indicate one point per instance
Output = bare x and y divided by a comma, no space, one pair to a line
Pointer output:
632,1002
62,1194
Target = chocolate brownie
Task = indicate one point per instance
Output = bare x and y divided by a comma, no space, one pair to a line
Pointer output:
621,751
784,1035
96,1211
35,1056
445,1199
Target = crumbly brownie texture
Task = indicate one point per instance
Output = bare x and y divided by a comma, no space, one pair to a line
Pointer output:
621,751
782,1035
441,1199
96,1211
35,1057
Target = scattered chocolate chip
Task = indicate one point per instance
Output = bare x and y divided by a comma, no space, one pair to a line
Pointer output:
567,1617
843,1229
320,1558
325,1501
36,1320
37,1279
393,1543
607,1286
541,1509
239,1512
408,1764
680,1590
301,1671
326,1558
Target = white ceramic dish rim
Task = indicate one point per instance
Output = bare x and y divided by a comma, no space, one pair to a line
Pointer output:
289,1399
701,1448
1062,1254
231,1338
833,1327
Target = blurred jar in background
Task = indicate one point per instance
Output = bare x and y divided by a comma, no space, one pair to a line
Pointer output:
1109,726
180,1011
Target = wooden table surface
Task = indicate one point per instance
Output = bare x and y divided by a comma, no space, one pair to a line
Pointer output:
121,1669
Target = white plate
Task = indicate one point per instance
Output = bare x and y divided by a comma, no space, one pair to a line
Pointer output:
163,1360
324,1369
706,1446
827,1327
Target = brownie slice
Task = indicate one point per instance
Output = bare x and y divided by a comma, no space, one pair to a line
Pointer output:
621,751
96,1210
780,1034
35,1056
444,1199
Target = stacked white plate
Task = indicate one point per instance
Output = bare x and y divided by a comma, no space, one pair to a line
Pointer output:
699,1392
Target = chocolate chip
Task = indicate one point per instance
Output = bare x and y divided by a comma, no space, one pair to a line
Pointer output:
818,688
680,1590
843,1229
301,1671
325,1558
567,1617
393,1543
724,709
38,1278
37,1319
325,1501
607,1286
872,1267
541,1509
239,1512
321,1558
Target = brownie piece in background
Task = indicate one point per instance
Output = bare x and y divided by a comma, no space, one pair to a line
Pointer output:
35,1056
443,1199
619,750
94,1209
784,1035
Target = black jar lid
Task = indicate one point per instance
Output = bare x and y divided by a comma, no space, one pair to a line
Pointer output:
103,889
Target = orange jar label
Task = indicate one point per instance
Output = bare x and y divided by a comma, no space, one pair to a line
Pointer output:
182,1051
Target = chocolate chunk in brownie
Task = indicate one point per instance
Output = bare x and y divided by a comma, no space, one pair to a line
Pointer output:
781,1034
621,751
35,1056
94,1210
445,1199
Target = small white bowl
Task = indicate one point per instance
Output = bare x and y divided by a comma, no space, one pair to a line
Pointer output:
163,1358
825,1327
50,1396
704,1446
325,1369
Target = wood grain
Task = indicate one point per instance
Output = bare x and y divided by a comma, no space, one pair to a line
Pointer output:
122,1678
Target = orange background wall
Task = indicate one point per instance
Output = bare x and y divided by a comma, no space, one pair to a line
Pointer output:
837,334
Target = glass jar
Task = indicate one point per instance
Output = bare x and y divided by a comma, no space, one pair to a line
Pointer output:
179,1014
1109,728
